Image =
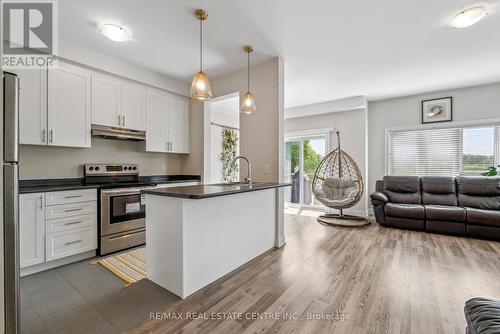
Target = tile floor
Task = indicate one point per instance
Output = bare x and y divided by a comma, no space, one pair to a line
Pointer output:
86,298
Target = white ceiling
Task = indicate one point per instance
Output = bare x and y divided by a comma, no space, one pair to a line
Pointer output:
332,49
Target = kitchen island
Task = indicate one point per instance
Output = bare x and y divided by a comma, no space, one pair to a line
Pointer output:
197,234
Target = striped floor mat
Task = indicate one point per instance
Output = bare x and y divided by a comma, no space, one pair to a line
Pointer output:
129,266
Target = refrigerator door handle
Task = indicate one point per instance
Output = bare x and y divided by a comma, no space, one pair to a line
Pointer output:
11,118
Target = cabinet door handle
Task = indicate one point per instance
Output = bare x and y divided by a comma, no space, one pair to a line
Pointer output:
73,196
41,204
119,120
73,210
123,120
73,242
43,136
73,223
51,136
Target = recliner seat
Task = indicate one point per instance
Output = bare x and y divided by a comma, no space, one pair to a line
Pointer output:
404,209
459,206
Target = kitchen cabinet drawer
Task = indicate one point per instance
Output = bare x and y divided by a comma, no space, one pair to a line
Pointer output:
70,210
70,223
67,243
71,196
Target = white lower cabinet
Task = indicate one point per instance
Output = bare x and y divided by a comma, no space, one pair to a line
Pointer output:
55,225
71,242
70,210
70,223
32,229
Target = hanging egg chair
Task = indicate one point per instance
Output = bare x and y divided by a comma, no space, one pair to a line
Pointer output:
338,184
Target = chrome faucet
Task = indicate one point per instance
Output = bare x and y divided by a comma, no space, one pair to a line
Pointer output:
249,171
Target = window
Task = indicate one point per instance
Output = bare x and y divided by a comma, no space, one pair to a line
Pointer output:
443,152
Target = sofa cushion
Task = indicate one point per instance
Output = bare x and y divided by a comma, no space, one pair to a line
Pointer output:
446,213
405,223
445,227
439,190
482,316
483,217
403,189
412,211
479,192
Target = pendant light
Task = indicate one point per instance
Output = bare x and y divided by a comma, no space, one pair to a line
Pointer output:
201,88
248,102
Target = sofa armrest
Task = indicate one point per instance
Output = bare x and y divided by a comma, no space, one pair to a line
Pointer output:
379,198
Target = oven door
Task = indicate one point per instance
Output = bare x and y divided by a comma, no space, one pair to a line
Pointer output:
121,210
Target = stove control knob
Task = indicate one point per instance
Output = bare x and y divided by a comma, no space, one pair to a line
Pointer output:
97,168
91,168
134,168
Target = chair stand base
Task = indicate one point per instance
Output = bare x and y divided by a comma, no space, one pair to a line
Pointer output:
343,220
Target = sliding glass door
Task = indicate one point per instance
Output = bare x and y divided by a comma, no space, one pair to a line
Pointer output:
302,156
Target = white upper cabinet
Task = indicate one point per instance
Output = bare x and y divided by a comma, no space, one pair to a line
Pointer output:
118,103
156,122
69,106
31,229
133,106
167,123
33,107
178,125
105,101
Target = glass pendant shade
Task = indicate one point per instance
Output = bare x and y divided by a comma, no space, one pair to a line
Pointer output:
201,88
248,104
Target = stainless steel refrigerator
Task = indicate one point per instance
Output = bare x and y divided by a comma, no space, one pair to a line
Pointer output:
11,202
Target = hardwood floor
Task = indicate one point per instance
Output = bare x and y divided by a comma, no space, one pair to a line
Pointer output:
370,280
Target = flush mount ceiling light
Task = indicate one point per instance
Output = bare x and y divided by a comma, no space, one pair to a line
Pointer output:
248,102
468,17
114,32
201,88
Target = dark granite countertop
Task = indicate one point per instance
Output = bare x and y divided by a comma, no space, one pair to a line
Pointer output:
212,190
45,185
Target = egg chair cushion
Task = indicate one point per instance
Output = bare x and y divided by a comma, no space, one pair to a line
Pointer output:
337,192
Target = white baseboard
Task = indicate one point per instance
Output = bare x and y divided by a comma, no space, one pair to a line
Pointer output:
56,263
280,242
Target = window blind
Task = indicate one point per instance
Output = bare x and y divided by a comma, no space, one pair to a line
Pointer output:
446,151
425,152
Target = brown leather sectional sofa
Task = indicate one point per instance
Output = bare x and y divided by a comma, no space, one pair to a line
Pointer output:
467,206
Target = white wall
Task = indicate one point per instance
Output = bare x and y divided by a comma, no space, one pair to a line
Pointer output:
40,162
473,103
353,131
104,62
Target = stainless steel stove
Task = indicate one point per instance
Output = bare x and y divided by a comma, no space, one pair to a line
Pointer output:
121,210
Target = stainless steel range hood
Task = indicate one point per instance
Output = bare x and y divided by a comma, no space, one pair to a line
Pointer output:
110,132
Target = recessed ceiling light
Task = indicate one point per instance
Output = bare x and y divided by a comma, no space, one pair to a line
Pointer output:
114,32
468,17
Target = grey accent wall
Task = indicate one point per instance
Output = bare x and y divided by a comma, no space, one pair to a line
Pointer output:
40,162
